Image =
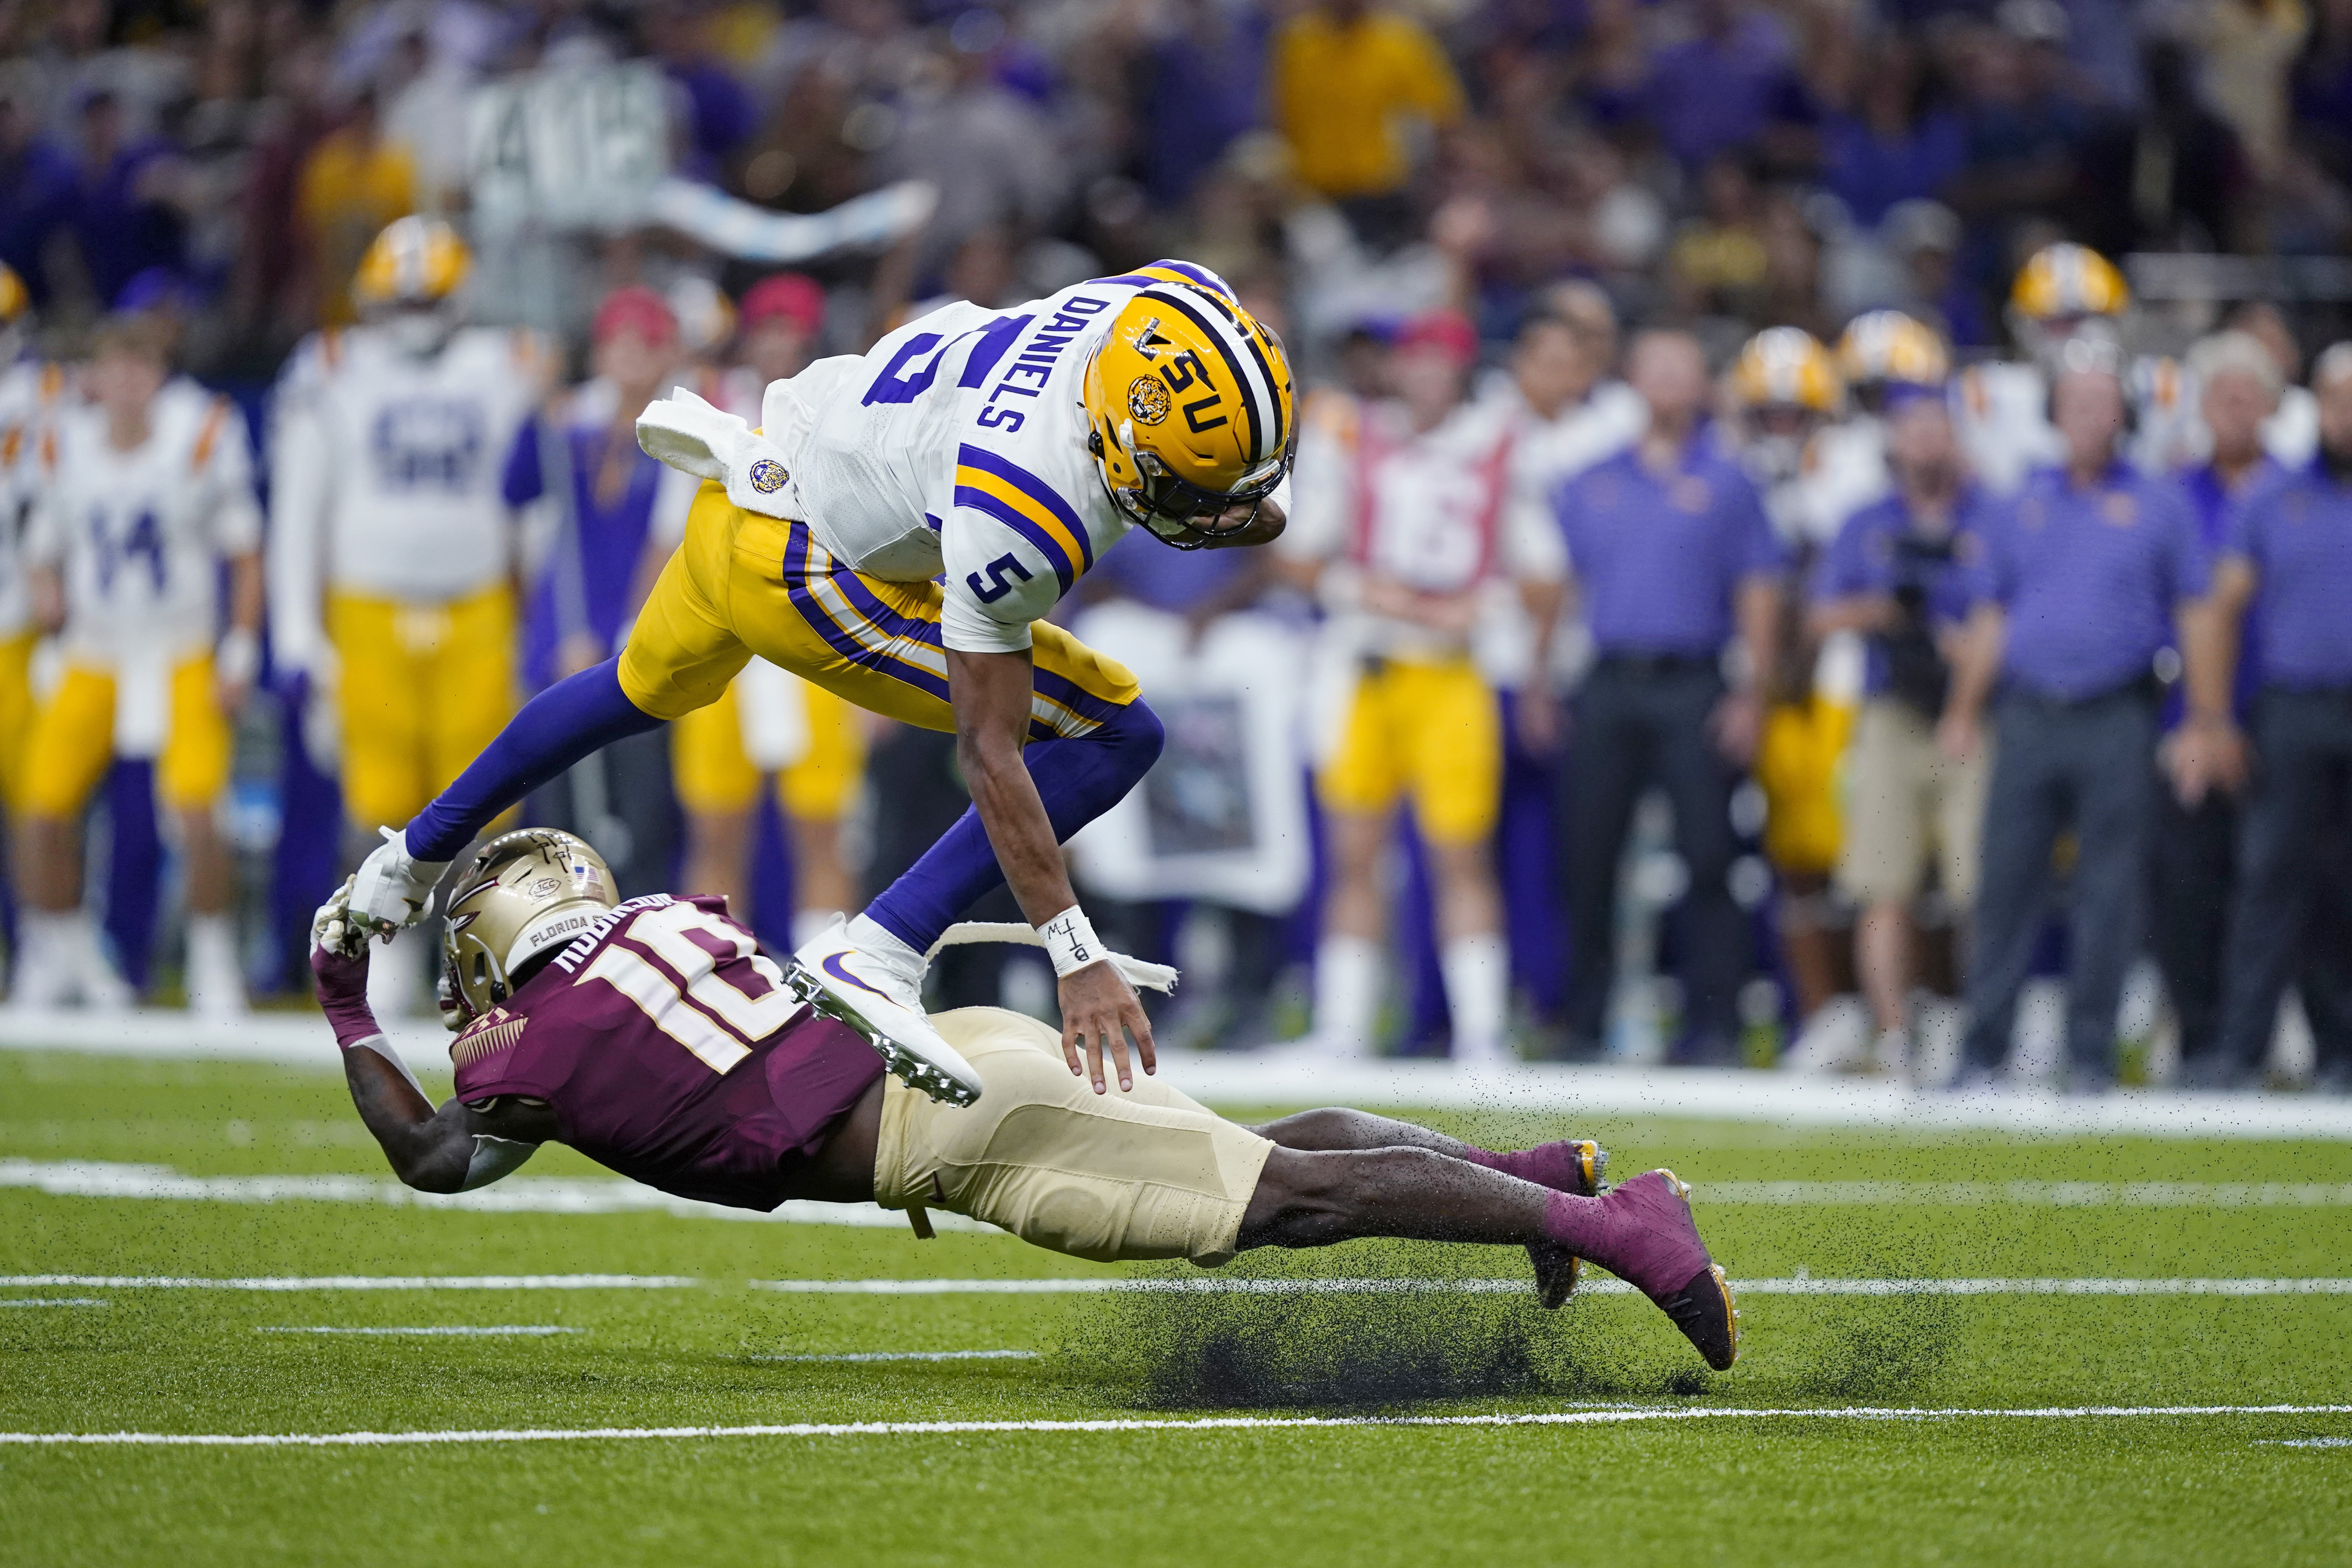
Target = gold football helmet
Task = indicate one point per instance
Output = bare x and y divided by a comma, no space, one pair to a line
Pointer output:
2067,280
1189,407
15,301
414,261
1786,367
1887,345
526,892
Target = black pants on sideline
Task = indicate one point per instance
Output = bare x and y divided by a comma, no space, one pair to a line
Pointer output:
2192,870
2302,743
2090,765
1638,724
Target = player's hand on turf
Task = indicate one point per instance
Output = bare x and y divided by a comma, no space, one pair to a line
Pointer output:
1100,1006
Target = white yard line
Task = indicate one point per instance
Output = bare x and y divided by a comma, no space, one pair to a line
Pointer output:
462,1330
1227,1078
1799,1285
366,1281
906,1355
614,1194
1209,1424
58,1301
1406,1287
515,1195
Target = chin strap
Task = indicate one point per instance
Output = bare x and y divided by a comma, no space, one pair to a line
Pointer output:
1143,976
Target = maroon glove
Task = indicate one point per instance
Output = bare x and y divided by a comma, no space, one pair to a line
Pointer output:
343,982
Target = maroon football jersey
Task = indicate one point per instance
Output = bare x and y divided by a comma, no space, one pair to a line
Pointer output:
671,1051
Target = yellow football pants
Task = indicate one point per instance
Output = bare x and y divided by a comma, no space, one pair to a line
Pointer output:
15,715
742,584
714,773
72,742
1430,731
423,689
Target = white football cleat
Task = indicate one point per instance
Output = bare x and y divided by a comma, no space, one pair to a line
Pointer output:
833,975
390,891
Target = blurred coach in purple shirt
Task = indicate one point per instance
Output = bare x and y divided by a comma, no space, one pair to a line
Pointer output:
2288,556
1669,547
2085,577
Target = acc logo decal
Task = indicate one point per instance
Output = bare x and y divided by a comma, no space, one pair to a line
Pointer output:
1148,399
767,476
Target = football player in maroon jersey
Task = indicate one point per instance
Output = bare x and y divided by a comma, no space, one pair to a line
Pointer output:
656,1037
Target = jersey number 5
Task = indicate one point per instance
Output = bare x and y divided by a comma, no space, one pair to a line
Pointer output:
720,1042
997,586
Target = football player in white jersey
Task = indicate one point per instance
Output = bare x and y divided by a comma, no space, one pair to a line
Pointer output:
391,555
29,394
1573,414
767,723
144,490
895,533
1404,523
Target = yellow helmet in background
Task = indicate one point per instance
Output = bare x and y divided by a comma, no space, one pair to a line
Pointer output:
526,892
414,261
1787,367
1887,345
1189,407
15,301
2065,280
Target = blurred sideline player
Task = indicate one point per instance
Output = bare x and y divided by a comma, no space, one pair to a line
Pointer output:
897,534
578,465
656,1037
1788,394
2002,406
766,722
1404,525
29,392
391,558
1573,414
143,492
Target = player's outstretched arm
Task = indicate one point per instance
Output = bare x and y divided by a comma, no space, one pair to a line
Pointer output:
991,692
451,1150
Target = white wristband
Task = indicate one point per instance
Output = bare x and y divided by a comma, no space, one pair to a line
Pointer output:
237,659
1070,940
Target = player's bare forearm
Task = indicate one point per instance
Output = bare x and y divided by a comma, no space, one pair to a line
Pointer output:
426,1150
244,592
991,692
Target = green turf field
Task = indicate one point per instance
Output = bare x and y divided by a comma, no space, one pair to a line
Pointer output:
1630,1470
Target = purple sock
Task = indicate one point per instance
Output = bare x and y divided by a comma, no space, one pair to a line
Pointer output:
1581,1225
1553,1166
555,729
1078,781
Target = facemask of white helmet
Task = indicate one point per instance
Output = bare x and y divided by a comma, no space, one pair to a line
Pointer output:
419,331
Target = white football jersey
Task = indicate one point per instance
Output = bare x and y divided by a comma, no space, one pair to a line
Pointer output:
31,391
957,445
140,536
386,470
2000,411
1432,510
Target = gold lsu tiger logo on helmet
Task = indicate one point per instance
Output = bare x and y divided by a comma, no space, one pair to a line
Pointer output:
1786,367
1887,345
2068,280
414,261
1189,407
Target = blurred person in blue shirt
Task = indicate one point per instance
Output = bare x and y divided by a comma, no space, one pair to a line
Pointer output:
2086,577
2193,864
586,460
1898,573
1671,553
2287,559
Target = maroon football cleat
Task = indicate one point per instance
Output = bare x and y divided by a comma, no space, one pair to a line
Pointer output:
1555,1266
1647,1237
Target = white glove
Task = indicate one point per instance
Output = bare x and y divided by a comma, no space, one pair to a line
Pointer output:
710,442
330,927
390,891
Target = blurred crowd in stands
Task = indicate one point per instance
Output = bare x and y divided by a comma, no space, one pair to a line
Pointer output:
1814,539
